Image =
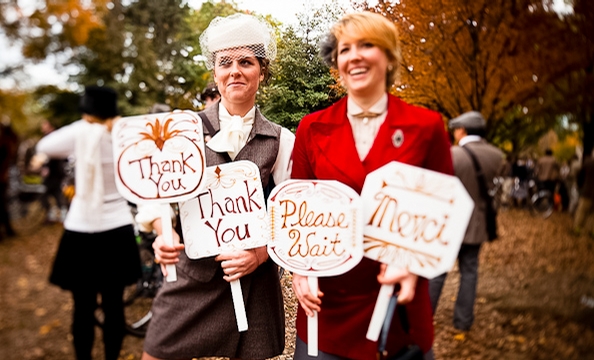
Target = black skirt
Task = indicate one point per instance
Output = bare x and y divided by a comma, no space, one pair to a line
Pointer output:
97,260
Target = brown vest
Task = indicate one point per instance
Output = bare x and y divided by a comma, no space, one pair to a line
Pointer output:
261,148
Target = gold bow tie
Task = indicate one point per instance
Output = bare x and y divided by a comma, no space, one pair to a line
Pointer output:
366,114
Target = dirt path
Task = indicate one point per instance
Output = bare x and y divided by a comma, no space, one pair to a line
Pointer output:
535,298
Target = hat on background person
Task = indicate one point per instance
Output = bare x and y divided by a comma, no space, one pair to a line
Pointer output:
99,101
468,120
210,91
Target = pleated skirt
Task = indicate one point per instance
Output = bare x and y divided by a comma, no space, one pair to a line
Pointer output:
96,260
194,316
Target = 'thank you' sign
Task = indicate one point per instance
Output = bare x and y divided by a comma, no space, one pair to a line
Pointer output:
230,214
159,158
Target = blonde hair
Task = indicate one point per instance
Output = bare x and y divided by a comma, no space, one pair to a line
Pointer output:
372,27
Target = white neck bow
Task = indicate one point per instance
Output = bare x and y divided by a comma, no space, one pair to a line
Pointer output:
234,132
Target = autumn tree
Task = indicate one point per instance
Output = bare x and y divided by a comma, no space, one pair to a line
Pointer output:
13,110
576,89
51,26
58,106
493,56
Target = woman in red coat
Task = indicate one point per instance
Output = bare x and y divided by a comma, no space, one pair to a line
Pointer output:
346,141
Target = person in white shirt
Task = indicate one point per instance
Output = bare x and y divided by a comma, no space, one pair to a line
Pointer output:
98,223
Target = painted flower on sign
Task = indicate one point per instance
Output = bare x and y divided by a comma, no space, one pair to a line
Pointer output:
159,135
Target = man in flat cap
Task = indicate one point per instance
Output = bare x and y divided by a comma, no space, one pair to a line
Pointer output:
468,130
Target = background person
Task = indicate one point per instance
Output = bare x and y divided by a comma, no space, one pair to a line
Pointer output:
520,173
210,95
346,141
584,217
53,177
547,172
194,316
574,168
9,143
98,252
468,130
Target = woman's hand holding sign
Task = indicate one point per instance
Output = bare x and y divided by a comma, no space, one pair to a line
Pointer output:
228,221
401,276
166,254
317,231
415,223
308,301
237,264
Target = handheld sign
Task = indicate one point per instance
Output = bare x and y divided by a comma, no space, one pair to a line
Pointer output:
414,219
230,214
159,158
317,230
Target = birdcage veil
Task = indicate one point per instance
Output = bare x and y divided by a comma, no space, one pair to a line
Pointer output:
238,31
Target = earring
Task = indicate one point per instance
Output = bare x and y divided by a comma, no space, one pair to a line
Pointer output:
390,67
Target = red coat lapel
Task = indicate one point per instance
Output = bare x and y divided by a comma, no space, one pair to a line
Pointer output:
405,136
332,137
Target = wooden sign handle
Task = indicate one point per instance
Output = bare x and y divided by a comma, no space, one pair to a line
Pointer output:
239,305
312,322
167,233
381,307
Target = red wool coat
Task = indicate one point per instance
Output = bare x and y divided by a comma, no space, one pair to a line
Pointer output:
325,149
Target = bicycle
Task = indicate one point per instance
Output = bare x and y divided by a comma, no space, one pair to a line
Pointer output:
138,298
24,204
539,201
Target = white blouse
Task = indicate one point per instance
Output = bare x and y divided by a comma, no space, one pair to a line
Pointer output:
86,213
365,129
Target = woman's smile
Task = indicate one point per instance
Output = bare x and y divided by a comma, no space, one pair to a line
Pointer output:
363,67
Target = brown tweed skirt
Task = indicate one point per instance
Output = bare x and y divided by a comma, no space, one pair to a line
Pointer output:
194,316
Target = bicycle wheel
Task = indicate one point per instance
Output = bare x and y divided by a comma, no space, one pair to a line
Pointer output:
137,310
26,213
541,204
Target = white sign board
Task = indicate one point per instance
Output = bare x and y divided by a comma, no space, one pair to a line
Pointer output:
229,215
159,158
316,227
317,230
414,219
